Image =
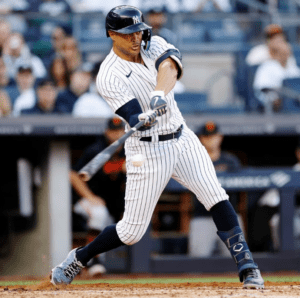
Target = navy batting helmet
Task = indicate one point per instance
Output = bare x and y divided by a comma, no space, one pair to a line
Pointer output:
127,19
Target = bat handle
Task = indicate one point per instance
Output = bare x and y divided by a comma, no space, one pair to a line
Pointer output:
84,176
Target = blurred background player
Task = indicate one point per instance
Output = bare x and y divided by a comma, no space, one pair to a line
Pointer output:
211,138
296,167
100,201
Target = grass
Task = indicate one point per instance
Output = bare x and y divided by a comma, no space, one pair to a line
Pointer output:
159,280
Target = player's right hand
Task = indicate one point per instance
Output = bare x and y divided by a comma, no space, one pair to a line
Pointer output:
150,119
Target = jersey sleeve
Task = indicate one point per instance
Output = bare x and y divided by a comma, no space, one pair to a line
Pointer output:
114,91
158,50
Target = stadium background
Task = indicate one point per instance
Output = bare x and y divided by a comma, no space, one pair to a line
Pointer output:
214,46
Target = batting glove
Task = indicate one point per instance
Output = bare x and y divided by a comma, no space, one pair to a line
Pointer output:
158,102
150,119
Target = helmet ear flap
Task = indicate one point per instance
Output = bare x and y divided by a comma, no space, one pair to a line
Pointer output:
146,38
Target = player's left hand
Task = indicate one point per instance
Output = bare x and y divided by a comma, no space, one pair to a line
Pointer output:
158,102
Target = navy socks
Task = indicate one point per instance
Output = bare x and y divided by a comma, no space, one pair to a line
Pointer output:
105,241
224,216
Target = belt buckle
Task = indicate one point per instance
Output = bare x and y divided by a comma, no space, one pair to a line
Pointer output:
173,135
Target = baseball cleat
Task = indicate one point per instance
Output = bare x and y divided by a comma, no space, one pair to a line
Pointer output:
252,279
64,273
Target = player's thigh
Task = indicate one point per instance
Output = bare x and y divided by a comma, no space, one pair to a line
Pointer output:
144,186
195,171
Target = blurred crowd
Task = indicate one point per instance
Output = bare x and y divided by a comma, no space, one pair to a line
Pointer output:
64,84
61,80
58,78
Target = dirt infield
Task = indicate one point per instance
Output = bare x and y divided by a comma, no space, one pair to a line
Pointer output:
190,290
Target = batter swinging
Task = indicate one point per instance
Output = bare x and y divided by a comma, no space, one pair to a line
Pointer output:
137,79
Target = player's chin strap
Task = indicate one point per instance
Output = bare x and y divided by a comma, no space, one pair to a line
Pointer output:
238,247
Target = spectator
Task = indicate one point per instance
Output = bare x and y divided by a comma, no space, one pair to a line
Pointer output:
101,6
80,81
53,8
6,84
91,104
211,139
4,79
17,52
214,6
46,97
25,83
5,104
274,36
59,73
157,19
5,31
71,53
58,35
8,6
206,5
269,77
101,200
171,6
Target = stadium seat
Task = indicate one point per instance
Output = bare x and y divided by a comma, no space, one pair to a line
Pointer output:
191,103
225,36
213,24
290,104
252,103
91,34
240,78
192,33
196,103
226,109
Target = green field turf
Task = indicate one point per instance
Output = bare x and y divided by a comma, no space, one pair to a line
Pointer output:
159,280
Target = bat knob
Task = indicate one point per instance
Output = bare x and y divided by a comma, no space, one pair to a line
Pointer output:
84,176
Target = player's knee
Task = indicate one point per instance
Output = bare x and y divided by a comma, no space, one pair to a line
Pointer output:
130,234
132,238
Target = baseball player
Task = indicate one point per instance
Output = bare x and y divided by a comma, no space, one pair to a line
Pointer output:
136,79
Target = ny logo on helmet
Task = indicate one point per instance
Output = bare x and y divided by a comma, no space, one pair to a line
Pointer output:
136,20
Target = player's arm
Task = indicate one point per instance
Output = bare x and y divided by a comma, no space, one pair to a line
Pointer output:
169,70
167,75
83,189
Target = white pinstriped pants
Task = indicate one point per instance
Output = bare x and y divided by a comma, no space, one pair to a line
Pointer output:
184,159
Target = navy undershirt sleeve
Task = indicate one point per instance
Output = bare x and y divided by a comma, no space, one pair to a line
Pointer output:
130,112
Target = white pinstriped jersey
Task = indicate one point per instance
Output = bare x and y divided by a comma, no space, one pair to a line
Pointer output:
119,81
184,159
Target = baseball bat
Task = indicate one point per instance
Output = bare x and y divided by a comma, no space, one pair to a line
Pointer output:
93,166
